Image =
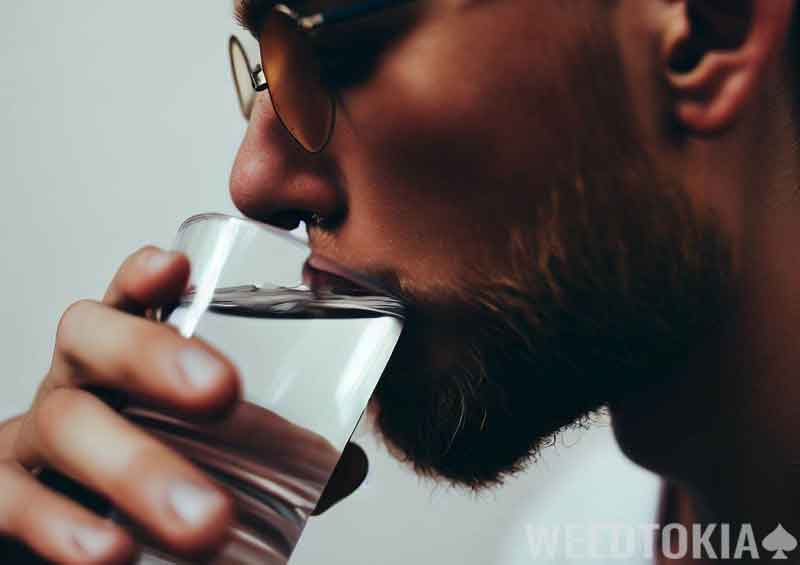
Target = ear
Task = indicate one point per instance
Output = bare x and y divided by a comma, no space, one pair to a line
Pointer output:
715,53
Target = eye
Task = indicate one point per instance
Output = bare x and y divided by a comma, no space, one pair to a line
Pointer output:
348,66
349,54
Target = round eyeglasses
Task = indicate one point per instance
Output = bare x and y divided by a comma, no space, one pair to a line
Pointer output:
291,73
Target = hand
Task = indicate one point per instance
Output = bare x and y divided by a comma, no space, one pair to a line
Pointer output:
110,345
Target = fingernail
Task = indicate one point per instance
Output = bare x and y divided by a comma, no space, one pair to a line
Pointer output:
199,367
194,505
157,261
92,541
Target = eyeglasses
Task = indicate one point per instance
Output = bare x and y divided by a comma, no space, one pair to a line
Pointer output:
291,71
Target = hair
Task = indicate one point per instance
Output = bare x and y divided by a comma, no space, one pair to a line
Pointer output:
793,59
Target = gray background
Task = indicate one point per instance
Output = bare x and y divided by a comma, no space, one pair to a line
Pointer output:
117,120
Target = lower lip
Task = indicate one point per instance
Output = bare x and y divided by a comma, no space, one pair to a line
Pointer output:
320,280
320,273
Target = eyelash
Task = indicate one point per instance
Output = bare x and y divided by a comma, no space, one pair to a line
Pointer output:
351,58
346,68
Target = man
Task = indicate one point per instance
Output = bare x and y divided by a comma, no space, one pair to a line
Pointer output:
587,203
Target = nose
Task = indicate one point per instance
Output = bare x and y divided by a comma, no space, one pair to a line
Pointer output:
275,180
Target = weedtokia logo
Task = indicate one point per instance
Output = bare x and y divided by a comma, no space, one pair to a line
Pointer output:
587,542
779,542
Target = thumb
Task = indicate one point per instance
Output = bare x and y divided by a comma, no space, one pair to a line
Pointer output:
348,475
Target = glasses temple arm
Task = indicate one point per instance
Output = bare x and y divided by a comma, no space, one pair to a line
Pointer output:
351,12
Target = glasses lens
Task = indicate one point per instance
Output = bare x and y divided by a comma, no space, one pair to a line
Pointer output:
240,66
292,70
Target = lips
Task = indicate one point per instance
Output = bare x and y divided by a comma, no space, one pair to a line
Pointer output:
324,275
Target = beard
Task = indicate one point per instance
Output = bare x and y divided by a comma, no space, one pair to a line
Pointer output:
605,293
598,305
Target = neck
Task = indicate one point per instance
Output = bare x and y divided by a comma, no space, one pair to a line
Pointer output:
726,430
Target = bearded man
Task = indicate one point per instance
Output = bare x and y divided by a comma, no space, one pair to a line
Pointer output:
586,204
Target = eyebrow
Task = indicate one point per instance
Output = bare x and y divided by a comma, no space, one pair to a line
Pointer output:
250,14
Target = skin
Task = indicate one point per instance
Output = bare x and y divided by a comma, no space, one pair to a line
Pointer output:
430,186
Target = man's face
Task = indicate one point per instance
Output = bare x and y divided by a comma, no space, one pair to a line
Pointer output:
488,167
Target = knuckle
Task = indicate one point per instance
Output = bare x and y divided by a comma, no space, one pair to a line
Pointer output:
8,475
53,414
150,454
72,317
142,252
24,517
139,460
12,516
132,261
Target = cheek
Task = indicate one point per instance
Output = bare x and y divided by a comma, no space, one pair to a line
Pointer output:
453,134
466,126
429,98
470,98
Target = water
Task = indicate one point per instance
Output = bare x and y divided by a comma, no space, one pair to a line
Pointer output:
309,363
262,301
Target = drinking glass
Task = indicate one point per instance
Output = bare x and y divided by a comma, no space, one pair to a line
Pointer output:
310,340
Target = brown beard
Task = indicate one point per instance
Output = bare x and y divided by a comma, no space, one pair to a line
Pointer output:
616,280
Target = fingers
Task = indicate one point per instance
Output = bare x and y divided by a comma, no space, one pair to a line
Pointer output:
149,277
348,475
8,436
54,527
100,346
159,490
73,432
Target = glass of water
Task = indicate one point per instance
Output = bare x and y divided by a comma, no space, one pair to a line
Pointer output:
310,340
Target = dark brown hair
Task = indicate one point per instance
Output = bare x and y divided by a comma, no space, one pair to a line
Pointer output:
793,58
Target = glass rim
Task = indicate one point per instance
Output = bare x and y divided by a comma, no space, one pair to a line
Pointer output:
316,261
208,216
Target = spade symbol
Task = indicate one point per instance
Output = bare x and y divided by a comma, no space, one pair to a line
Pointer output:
779,541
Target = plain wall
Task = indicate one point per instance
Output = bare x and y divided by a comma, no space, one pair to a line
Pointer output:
118,120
